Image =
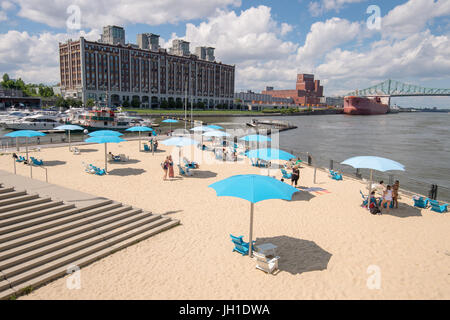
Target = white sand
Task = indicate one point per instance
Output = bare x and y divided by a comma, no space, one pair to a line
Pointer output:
326,242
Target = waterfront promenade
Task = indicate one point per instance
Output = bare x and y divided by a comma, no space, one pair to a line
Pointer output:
328,244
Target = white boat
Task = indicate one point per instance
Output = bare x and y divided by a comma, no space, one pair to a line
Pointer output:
34,122
102,119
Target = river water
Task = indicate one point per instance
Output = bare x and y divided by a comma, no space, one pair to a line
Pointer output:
420,141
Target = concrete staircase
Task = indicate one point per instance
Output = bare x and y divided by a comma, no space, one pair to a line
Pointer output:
40,237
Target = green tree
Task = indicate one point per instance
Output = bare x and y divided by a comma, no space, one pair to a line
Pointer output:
90,103
61,103
125,104
136,102
164,104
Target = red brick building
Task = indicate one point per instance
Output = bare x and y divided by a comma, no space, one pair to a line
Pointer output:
307,91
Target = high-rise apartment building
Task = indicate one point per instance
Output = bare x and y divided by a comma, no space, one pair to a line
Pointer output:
148,41
95,70
205,53
180,48
113,35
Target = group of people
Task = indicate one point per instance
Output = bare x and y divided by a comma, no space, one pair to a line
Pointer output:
389,194
167,166
153,144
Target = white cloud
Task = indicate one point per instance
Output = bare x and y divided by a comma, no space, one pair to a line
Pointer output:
34,58
420,56
412,17
6,5
316,8
325,36
104,12
252,35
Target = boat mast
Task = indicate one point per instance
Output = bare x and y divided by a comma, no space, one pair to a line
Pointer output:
185,105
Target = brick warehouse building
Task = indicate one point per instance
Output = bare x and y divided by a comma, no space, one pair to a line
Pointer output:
307,91
95,70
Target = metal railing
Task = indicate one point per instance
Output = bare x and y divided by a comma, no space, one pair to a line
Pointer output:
31,170
409,186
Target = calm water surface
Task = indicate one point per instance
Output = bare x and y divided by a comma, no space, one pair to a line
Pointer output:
420,141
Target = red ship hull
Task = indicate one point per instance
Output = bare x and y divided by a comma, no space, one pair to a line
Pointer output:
364,106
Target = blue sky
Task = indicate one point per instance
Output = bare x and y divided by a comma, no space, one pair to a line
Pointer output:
268,41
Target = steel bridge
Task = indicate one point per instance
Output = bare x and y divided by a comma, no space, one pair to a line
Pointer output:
393,88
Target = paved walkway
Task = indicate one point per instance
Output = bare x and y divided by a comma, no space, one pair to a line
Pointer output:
69,196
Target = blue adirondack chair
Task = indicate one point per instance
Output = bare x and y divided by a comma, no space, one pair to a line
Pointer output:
421,202
190,165
435,206
100,172
391,205
286,175
239,245
335,175
21,159
37,162
186,173
364,204
146,148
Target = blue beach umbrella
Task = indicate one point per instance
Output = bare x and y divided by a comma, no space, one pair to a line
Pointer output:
373,163
216,127
105,133
139,129
170,121
105,140
179,142
253,188
269,154
25,134
216,134
69,127
255,137
202,129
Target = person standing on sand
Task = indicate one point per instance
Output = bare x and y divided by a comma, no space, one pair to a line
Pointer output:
165,166
295,175
387,198
395,189
171,173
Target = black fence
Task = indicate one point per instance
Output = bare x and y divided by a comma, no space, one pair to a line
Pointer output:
408,185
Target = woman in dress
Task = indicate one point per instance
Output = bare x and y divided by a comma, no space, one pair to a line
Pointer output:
387,197
171,173
165,166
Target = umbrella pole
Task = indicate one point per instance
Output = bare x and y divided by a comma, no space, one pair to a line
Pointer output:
370,190
26,147
106,161
250,244
17,144
70,147
139,141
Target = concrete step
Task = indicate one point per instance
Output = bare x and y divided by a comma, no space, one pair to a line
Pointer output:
89,231
60,206
38,207
143,218
22,204
26,197
12,194
50,224
38,220
4,189
116,244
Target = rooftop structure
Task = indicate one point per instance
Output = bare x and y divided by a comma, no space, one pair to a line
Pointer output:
113,35
307,90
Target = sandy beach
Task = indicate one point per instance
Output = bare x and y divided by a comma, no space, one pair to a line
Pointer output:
328,244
